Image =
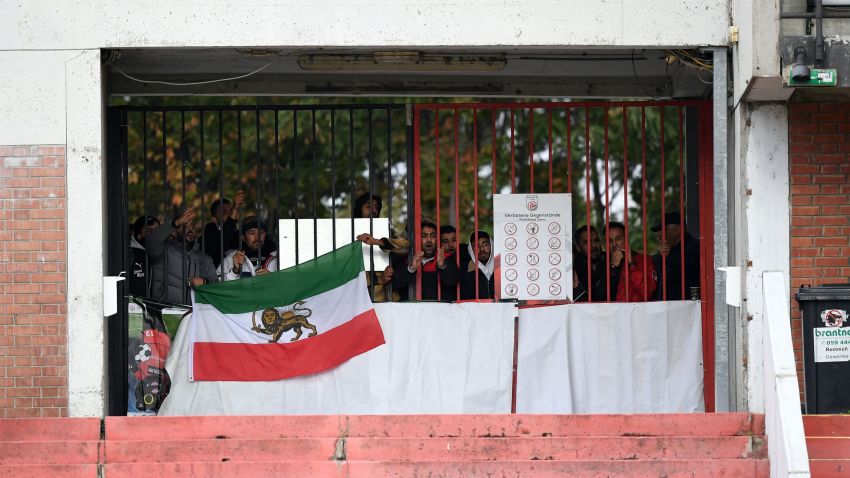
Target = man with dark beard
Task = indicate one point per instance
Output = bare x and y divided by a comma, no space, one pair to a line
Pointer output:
587,252
431,262
253,258
176,263
482,267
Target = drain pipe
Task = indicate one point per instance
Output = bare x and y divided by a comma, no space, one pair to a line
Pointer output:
819,49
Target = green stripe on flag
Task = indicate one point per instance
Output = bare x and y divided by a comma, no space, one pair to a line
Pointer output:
285,287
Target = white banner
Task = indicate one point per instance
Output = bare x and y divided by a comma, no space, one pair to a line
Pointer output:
323,239
611,358
438,358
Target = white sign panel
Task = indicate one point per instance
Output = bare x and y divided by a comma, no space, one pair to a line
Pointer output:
324,239
832,344
533,235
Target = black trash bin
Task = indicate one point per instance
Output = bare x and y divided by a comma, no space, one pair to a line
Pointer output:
826,347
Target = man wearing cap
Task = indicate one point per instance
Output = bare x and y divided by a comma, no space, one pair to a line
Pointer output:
142,227
222,228
673,239
251,259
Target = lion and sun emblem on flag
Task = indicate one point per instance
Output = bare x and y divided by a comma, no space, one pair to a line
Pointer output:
275,322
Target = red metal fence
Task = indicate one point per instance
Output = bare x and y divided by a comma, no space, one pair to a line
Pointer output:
629,162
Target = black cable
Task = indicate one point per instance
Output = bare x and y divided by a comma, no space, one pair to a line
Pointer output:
634,72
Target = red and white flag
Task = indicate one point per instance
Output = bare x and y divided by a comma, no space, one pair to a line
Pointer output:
302,320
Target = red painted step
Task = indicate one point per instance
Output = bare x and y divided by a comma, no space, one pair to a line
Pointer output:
537,469
828,444
251,427
50,447
433,449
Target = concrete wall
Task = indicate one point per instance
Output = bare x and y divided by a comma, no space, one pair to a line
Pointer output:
98,24
51,92
762,145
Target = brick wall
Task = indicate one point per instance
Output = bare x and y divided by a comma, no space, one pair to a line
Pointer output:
819,148
33,316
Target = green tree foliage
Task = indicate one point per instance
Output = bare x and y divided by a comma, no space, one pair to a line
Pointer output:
296,162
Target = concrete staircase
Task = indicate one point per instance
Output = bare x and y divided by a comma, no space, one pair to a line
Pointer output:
371,446
828,443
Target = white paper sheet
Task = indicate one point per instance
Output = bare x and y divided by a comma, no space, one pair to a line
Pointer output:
439,358
610,358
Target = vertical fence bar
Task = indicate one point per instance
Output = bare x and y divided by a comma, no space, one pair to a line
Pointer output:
417,196
221,189
682,203
437,176
475,199
628,255
493,147
145,198
333,178
370,170
389,284
570,152
549,141
315,185
587,198
165,208
239,170
295,181
351,168
389,169
259,184
277,212
643,197
457,200
663,213
607,206
531,148
513,153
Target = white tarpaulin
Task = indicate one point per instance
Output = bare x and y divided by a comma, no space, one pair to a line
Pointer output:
610,358
438,358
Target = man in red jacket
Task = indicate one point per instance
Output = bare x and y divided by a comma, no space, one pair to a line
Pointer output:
629,267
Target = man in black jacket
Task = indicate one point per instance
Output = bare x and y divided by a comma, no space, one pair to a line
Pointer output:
584,256
223,227
668,259
139,267
481,265
435,269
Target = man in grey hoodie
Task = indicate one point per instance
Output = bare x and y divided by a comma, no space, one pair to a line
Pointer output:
176,264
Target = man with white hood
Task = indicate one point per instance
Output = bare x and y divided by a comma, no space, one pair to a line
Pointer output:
481,265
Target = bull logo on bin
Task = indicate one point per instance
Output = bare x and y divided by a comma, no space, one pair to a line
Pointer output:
833,317
531,203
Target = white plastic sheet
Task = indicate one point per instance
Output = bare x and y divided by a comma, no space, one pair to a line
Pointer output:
610,358
438,358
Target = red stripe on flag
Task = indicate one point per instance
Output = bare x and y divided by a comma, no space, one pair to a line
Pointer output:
264,362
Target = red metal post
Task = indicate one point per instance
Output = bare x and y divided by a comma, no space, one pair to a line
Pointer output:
457,201
417,192
706,188
625,266
437,178
475,194
607,207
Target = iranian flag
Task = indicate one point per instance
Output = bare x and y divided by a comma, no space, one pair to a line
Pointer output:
299,321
